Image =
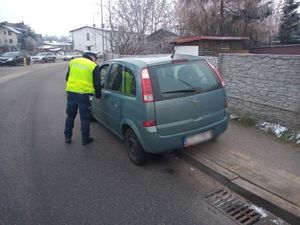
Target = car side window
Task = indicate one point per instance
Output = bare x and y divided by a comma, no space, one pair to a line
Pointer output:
115,78
129,84
103,74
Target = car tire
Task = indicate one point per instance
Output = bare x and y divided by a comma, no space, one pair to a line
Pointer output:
134,149
43,60
54,59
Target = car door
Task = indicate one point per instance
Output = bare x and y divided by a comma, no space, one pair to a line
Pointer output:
48,57
111,107
99,105
19,58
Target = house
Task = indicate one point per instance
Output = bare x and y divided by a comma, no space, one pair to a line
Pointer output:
89,38
211,45
55,46
159,41
9,37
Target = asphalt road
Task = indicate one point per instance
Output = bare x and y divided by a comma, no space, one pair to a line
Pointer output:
45,181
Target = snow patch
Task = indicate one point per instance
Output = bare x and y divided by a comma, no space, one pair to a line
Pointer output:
277,129
259,210
233,117
277,221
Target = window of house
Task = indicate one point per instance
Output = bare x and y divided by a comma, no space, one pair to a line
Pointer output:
87,36
89,48
11,41
9,33
4,31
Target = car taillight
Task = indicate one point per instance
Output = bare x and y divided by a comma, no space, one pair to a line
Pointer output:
218,74
147,91
149,123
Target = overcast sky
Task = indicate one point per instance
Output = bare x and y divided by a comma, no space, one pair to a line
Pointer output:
54,17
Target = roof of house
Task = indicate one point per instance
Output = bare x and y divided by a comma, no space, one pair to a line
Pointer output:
54,43
181,40
162,31
11,29
83,27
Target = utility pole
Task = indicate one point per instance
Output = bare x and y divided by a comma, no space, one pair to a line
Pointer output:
102,26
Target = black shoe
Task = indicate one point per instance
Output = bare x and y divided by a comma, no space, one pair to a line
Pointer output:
88,141
68,140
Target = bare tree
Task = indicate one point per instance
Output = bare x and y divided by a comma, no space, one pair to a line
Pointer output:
131,20
224,17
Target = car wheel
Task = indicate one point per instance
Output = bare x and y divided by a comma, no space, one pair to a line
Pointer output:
54,59
134,149
43,60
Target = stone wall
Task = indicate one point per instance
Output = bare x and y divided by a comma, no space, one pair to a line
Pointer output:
264,86
213,60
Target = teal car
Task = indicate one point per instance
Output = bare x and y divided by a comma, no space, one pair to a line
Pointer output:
157,104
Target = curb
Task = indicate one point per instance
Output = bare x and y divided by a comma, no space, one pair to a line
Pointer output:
273,203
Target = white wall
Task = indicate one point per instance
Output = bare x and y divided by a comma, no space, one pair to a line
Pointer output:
4,38
187,50
81,43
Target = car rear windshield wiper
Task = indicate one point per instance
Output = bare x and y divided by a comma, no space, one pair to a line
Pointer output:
184,82
179,91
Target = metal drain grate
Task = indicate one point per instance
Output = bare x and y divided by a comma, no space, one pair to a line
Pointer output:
240,211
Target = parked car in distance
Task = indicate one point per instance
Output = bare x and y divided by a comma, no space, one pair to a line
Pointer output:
99,55
71,55
44,57
14,58
157,104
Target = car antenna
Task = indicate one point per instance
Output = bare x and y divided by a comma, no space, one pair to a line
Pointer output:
172,56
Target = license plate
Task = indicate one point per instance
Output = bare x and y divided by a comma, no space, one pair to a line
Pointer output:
196,139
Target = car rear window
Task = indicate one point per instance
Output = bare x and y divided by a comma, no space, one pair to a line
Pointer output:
182,79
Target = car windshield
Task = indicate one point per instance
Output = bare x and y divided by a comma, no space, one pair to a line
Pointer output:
10,54
179,79
42,54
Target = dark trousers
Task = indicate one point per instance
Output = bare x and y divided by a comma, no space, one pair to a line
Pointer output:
74,102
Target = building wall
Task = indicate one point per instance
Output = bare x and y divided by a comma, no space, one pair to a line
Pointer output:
281,50
265,86
81,43
187,50
5,37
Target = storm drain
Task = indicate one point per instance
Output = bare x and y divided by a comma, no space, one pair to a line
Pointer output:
238,210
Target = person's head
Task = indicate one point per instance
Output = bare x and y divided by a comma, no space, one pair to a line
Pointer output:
90,55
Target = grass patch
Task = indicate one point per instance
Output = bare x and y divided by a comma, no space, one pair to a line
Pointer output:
248,121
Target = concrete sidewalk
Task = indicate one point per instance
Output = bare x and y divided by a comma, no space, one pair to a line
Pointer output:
255,164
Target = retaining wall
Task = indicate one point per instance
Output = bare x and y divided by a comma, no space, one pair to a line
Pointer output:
265,86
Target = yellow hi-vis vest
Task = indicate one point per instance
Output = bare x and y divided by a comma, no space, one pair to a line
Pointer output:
80,78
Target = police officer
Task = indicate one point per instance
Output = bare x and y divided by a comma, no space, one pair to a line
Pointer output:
83,80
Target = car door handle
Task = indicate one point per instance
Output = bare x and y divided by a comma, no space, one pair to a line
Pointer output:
116,105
